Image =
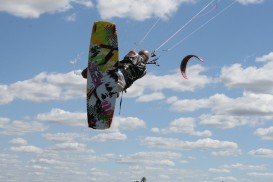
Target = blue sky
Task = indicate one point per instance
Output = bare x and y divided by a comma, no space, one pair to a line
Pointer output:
215,126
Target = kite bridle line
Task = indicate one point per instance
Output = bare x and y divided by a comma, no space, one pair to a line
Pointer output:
187,23
153,55
199,28
147,33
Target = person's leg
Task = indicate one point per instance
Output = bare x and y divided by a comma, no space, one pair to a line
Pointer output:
121,81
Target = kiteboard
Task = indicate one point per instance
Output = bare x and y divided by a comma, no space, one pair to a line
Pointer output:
101,75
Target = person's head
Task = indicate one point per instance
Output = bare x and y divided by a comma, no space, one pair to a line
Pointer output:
131,55
145,54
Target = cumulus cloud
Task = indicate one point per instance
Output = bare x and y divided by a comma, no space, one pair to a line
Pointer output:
18,141
133,9
151,97
246,167
127,123
245,2
248,104
265,133
215,170
5,95
227,121
229,112
226,153
259,174
225,178
70,146
71,18
186,126
138,9
63,117
201,144
252,79
172,82
79,119
109,136
265,58
114,132
44,87
4,122
150,158
65,86
33,8
262,152
61,137
18,127
28,149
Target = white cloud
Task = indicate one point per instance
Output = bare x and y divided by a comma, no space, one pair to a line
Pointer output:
4,122
245,2
133,9
150,158
21,127
64,86
248,104
225,178
186,105
99,172
262,152
215,170
258,174
78,119
44,87
43,161
173,82
28,149
265,133
61,137
138,9
34,8
245,167
252,79
70,146
226,153
127,123
71,18
229,112
64,117
187,126
18,141
109,136
151,97
155,130
118,123
5,95
265,58
226,121
201,144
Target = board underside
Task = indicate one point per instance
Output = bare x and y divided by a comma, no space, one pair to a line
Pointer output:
102,77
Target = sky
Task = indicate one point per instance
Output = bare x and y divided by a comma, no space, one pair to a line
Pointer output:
214,126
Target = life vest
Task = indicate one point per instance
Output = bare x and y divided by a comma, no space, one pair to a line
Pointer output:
132,69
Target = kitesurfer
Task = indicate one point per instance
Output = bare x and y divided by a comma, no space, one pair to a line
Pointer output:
130,69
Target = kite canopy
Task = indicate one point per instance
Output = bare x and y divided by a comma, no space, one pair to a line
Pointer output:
184,62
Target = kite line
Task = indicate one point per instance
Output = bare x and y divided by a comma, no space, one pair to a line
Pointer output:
188,22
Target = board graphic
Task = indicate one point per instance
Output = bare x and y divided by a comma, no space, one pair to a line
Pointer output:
101,75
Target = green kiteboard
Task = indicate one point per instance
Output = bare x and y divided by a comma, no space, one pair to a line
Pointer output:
101,75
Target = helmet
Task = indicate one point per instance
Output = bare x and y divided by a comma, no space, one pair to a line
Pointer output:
145,54
131,54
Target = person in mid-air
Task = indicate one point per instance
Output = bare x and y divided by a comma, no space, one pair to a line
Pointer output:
131,68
